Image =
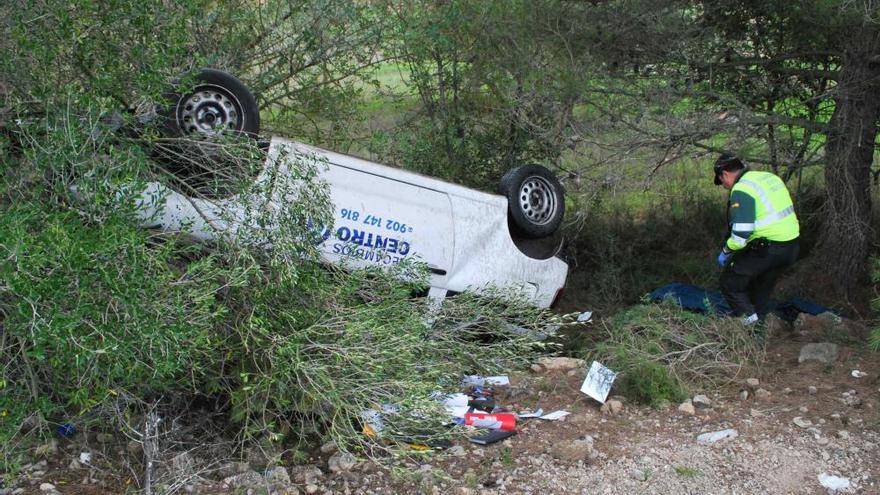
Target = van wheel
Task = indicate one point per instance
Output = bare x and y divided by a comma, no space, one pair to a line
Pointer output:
535,199
219,104
209,146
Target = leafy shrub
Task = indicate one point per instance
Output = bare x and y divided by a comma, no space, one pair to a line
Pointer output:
663,351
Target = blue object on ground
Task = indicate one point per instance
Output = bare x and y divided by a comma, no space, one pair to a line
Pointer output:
692,297
66,430
704,301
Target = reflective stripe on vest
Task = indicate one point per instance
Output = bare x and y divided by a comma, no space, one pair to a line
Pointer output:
772,215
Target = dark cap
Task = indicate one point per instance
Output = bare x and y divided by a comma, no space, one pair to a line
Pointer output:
726,162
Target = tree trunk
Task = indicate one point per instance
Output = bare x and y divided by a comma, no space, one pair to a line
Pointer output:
847,234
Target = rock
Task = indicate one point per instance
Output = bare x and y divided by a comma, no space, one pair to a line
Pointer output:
801,422
612,406
843,435
306,474
850,399
717,436
244,480
537,368
776,325
277,475
753,383
578,450
762,394
824,352
74,465
311,489
687,407
701,401
743,395
341,462
561,363
104,438
457,451
328,448
812,390
47,487
833,482
638,474
786,390
802,409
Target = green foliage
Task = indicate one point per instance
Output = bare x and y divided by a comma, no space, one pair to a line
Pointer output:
648,382
875,303
103,320
663,351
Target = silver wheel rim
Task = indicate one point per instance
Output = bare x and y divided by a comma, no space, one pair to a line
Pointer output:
537,200
210,110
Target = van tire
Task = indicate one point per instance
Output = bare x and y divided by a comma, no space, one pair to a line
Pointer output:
535,200
218,104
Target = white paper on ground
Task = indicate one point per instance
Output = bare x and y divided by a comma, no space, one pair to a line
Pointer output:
482,381
598,382
536,414
555,415
585,316
458,411
833,482
453,400
858,374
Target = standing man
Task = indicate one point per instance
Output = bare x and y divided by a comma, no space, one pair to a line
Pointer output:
762,237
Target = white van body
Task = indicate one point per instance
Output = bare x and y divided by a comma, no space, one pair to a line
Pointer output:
383,215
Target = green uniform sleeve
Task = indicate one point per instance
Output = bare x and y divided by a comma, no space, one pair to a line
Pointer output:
741,213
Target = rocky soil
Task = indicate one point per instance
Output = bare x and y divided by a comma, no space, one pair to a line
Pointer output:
807,424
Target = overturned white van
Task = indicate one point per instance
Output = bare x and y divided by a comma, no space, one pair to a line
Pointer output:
470,240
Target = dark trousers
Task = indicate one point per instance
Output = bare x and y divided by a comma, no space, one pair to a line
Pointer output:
748,279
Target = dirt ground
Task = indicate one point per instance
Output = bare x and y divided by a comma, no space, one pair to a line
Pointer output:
637,450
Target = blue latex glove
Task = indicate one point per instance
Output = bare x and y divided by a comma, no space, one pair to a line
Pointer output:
724,257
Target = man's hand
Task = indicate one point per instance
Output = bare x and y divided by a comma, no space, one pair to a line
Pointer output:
723,257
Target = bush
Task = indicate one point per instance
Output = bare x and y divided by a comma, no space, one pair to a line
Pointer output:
663,351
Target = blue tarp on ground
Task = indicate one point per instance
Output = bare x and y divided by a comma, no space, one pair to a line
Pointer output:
703,300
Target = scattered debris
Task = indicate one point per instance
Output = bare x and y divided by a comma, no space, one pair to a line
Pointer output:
598,382
85,457
555,415
485,381
500,421
585,317
824,352
833,482
66,430
858,374
717,436
492,437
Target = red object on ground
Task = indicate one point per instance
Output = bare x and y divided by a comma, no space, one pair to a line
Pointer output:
500,421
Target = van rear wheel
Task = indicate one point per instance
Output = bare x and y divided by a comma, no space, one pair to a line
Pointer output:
536,200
